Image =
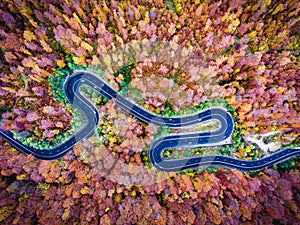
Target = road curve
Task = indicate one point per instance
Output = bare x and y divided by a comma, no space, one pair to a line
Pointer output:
221,136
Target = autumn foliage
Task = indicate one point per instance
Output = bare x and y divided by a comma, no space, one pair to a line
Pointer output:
251,54
70,191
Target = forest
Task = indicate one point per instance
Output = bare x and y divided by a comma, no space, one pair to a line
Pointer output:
246,59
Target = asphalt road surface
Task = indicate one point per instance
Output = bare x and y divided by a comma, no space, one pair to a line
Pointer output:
221,136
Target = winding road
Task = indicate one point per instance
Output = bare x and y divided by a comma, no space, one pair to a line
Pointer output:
222,136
